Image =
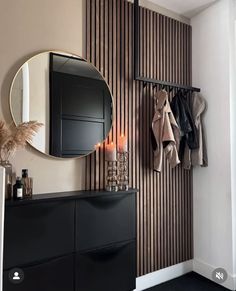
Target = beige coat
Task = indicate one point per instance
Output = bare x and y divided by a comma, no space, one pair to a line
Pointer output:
166,132
197,157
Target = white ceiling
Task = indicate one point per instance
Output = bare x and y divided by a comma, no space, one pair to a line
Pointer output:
187,8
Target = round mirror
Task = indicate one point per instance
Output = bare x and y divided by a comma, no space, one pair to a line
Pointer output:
69,97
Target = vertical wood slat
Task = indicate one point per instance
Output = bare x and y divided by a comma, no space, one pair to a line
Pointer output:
164,201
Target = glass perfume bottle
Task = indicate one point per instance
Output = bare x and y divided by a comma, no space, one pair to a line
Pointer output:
18,189
27,184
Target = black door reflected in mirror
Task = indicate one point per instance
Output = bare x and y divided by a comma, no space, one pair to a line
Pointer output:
69,96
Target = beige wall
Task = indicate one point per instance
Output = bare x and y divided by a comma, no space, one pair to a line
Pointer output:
28,27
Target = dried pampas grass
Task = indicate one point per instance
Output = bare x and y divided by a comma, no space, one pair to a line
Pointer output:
11,140
4,133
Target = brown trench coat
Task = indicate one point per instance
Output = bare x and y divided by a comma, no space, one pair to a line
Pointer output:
166,132
197,157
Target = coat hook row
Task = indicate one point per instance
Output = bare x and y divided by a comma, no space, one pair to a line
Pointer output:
168,86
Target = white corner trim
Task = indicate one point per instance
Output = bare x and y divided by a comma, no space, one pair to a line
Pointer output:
2,208
158,277
206,270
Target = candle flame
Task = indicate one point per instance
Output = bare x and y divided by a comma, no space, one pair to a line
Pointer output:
97,146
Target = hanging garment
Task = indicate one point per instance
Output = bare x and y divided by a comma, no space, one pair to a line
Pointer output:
197,157
185,121
166,132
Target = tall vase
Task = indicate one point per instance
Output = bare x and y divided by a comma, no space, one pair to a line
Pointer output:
8,179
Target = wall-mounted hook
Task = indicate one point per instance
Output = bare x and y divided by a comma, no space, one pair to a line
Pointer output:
170,89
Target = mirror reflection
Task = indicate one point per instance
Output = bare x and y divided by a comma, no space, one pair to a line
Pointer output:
69,96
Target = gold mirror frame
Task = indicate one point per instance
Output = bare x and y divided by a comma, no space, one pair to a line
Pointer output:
69,55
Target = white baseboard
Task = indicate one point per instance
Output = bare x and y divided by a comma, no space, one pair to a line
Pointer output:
206,270
158,277
164,275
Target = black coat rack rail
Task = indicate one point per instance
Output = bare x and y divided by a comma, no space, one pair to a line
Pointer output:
137,77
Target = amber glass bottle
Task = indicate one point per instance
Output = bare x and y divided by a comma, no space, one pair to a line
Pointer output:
27,184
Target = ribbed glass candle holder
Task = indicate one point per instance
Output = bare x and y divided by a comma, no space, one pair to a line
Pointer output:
123,171
112,179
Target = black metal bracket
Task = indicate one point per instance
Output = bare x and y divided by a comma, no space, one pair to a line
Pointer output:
137,76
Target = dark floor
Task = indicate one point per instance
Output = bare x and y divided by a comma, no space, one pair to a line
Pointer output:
189,282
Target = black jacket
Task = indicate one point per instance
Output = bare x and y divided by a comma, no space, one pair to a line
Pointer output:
185,122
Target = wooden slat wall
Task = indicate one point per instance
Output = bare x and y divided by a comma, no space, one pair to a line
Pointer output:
164,206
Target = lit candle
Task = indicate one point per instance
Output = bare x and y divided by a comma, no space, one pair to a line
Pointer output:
97,146
111,152
122,144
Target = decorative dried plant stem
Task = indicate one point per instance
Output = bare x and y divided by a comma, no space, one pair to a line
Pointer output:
11,140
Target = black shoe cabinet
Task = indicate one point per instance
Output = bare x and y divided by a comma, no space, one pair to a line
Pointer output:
71,241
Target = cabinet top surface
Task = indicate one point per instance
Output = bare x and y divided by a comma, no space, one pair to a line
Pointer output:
70,195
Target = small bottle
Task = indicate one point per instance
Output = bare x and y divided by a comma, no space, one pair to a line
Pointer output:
18,189
27,184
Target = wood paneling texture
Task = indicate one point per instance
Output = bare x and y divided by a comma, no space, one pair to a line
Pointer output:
164,204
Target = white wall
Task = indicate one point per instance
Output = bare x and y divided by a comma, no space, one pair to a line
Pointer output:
28,27
162,10
213,245
39,101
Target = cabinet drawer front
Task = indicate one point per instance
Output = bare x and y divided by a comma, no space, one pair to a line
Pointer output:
112,268
104,220
56,275
38,232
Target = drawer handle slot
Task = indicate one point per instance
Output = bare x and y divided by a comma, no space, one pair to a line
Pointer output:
105,201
